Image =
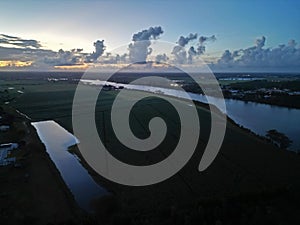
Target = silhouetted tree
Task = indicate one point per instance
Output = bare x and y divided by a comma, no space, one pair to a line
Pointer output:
279,138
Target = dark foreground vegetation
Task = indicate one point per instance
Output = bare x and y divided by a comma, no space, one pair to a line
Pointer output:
250,182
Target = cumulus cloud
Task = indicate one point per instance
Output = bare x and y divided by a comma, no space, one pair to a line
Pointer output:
161,58
34,56
139,49
179,52
109,58
18,49
99,50
292,43
284,56
19,42
260,42
62,57
183,41
75,56
203,39
191,53
186,51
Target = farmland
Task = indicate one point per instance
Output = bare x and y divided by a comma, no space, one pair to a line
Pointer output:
245,165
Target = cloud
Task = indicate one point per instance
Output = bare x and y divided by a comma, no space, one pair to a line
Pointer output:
183,41
260,42
18,49
17,52
60,58
99,50
179,52
108,58
139,49
203,39
258,57
145,35
161,58
75,57
191,53
19,42
34,56
180,55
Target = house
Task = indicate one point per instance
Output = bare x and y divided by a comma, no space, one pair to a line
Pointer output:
4,127
5,150
9,146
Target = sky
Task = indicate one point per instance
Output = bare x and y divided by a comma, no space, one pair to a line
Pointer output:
77,24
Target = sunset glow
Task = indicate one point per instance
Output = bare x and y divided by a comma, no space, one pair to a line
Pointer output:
15,63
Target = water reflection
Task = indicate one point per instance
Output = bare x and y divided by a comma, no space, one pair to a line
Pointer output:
57,140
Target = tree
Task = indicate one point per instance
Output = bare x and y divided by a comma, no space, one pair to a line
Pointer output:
279,138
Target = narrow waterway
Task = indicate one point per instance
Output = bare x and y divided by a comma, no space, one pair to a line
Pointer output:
57,140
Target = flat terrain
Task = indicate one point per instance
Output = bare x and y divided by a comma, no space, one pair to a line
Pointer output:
33,192
246,165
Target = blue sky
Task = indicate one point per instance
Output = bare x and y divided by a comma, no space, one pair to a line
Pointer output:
71,24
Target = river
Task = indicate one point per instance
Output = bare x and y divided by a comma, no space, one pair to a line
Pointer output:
257,117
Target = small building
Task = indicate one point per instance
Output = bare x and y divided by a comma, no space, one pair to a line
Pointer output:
9,146
4,127
5,150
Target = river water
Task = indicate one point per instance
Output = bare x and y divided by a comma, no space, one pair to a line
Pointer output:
257,117
57,140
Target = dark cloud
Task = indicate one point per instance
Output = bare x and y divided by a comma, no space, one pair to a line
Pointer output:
191,53
183,41
139,49
260,42
161,58
29,50
203,39
19,42
145,35
108,58
284,56
72,57
187,50
99,49
179,52
23,54
11,53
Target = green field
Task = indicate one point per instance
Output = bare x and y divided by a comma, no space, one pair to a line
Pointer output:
44,100
245,163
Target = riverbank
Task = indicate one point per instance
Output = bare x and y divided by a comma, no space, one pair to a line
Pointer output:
280,102
33,192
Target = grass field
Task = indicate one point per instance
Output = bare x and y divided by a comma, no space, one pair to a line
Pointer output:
245,163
